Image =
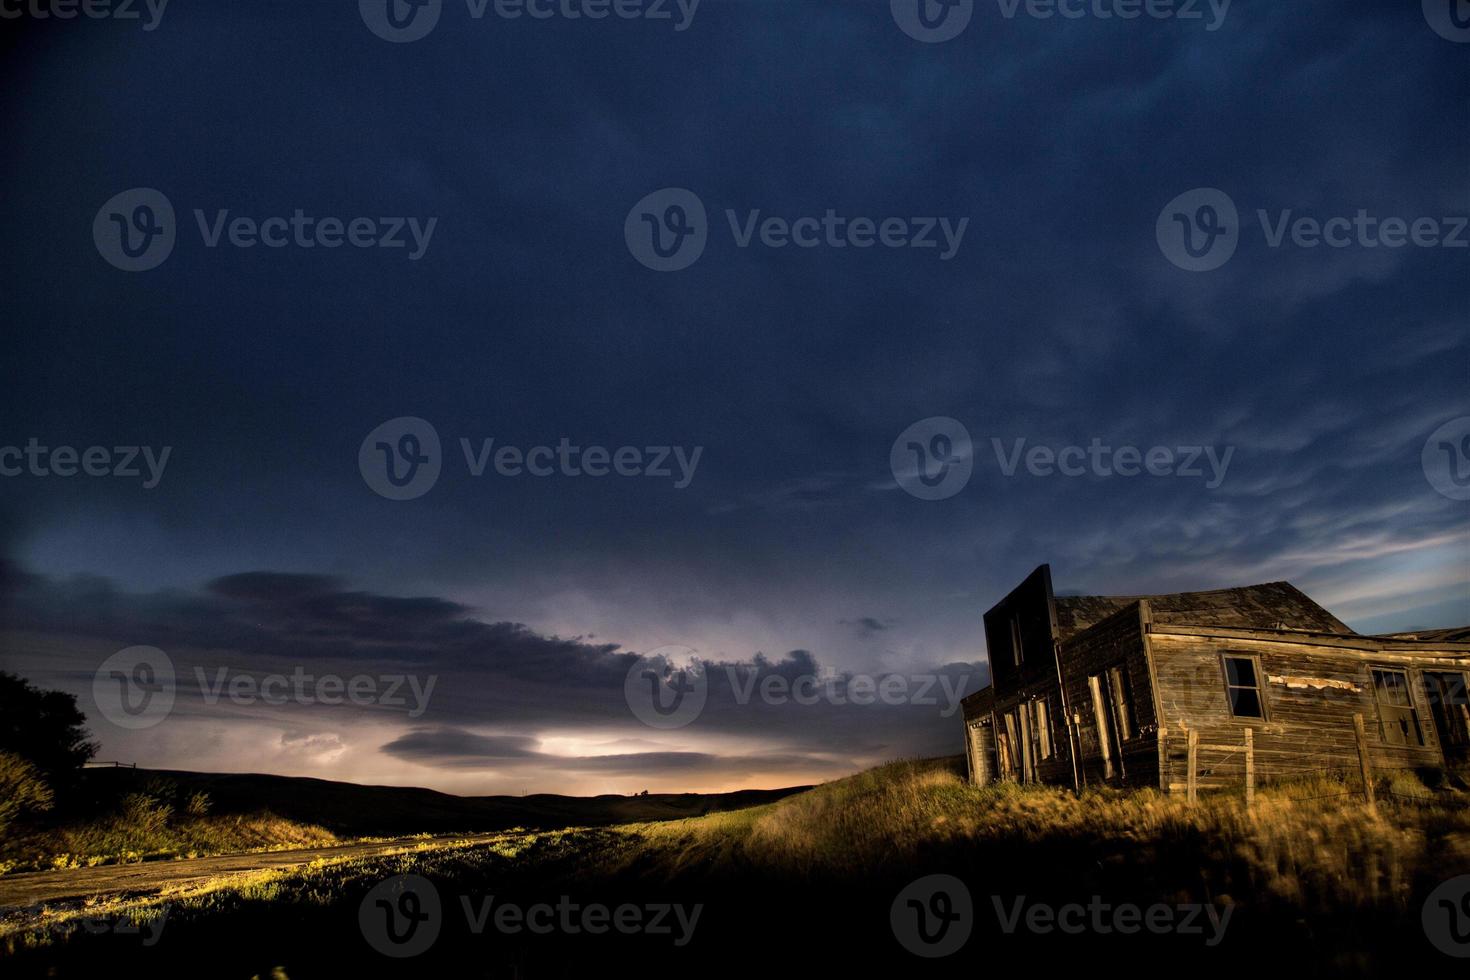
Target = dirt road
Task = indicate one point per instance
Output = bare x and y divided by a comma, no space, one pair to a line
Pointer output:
33,887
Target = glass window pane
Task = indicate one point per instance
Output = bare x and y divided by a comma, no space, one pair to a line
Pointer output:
1240,672
1391,687
1245,702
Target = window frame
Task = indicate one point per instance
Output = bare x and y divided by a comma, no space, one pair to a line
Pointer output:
1259,687
1433,697
1412,707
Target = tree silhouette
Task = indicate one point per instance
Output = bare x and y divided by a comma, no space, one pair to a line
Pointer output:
46,728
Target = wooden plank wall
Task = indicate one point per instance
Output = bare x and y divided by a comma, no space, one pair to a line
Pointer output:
1311,695
1116,641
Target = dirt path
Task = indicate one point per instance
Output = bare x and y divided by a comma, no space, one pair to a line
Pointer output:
32,887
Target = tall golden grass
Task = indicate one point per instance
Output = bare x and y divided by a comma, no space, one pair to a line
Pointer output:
1310,845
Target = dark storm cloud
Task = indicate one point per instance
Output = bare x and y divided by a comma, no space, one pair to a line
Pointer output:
527,320
445,746
496,673
867,626
453,748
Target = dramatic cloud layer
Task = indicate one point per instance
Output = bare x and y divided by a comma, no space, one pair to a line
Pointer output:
527,320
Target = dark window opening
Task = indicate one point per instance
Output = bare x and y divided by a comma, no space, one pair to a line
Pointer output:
1243,687
1450,705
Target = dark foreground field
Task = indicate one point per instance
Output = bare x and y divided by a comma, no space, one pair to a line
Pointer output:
823,881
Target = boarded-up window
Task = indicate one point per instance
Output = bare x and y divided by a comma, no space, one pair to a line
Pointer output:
1243,687
1397,719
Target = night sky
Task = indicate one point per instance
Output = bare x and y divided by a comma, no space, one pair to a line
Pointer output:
522,151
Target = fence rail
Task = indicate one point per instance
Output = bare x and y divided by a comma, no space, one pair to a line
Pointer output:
1363,763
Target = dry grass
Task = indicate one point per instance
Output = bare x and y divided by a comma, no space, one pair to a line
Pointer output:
155,834
1305,853
1305,844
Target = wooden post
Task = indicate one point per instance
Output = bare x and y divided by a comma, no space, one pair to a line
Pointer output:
1364,762
1193,765
1164,757
1250,768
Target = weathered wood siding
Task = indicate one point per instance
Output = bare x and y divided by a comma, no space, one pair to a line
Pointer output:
1310,692
1117,641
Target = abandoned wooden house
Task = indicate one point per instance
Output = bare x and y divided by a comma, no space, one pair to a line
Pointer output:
1145,690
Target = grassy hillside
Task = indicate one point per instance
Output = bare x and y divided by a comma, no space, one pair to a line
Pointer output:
350,809
804,885
121,815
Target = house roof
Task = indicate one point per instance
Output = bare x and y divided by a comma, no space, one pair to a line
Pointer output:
1454,634
1272,605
